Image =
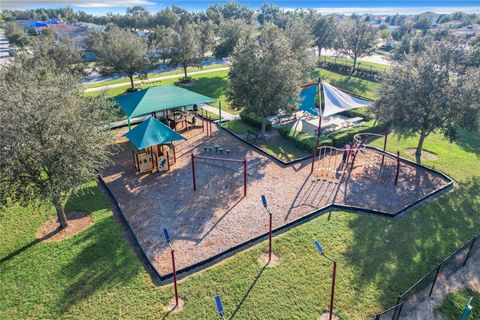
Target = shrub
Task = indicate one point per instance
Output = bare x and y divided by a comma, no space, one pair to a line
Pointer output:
303,140
360,112
342,137
254,120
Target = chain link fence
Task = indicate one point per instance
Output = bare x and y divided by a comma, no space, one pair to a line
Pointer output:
425,287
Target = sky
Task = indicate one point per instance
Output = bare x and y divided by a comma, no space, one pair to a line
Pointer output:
331,6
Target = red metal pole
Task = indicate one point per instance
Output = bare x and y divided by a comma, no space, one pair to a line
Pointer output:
398,167
333,289
193,173
174,277
270,240
244,177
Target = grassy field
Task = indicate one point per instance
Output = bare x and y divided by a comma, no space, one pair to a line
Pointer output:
362,65
452,307
150,76
359,86
277,146
96,275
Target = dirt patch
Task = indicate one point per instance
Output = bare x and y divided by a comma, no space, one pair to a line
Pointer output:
263,259
77,222
172,307
427,155
326,316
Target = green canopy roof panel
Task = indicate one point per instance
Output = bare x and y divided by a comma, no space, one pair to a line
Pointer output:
150,133
157,99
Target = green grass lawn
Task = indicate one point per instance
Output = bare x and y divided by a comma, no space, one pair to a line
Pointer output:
96,275
151,76
277,146
460,159
363,87
455,302
362,65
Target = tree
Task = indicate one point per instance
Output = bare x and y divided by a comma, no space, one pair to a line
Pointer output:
325,31
431,90
357,40
52,139
160,42
120,51
186,51
301,39
16,35
63,53
265,75
231,32
268,12
207,37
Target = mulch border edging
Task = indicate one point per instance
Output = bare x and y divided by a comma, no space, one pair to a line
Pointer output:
203,264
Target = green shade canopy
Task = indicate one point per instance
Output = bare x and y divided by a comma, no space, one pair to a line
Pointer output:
157,99
150,133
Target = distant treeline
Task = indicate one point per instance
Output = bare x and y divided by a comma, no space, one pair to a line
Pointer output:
138,17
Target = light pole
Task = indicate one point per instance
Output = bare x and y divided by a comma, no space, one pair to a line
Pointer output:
265,205
334,273
166,235
218,303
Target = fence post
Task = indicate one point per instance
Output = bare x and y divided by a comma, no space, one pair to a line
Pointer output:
469,251
244,177
399,311
434,280
395,311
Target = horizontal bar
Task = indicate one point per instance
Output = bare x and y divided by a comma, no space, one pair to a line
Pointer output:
219,159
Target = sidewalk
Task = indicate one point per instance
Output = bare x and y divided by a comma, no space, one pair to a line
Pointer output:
172,76
225,115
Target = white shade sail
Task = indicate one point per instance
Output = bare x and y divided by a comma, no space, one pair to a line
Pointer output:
337,101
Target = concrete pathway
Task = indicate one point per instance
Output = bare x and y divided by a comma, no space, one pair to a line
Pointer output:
225,115
172,76
376,58
4,47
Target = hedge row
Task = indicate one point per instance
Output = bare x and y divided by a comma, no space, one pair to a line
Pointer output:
338,139
303,140
342,137
254,120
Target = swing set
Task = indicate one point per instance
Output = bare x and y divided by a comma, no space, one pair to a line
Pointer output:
213,171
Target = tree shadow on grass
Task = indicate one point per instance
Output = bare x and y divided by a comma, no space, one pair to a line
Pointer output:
392,254
105,261
469,141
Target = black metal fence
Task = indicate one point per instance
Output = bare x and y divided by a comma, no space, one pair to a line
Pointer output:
342,65
424,288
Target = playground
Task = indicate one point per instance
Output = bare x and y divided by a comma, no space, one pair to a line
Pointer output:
217,216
